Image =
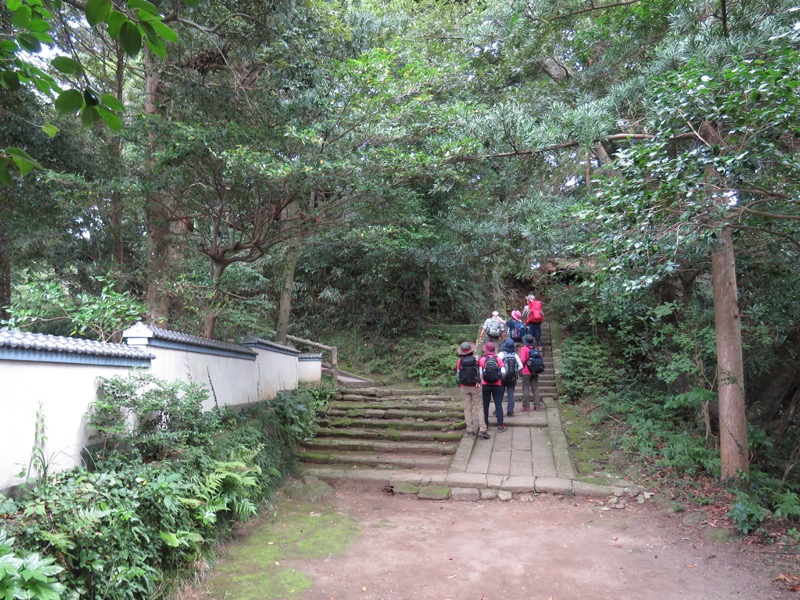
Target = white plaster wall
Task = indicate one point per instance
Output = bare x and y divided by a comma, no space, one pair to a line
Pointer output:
309,369
275,372
233,381
229,379
65,392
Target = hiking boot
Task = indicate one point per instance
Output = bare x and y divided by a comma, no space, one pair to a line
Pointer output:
526,409
537,408
509,414
484,434
501,428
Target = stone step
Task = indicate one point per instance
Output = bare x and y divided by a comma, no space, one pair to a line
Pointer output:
377,392
377,446
390,404
355,396
407,424
397,435
381,461
453,413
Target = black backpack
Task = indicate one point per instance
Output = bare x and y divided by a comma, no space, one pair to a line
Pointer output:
535,361
510,363
491,370
516,331
468,373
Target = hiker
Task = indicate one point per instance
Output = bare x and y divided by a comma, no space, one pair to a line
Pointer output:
469,382
513,366
515,327
492,371
492,330
534,316
530,378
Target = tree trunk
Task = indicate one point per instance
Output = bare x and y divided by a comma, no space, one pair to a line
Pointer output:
426,289
730,366
5,269
158,217
285,304
115,216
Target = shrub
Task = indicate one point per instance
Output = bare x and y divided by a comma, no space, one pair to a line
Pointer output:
159,496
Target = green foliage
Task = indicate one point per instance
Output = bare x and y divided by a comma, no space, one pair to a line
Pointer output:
27,578
589,367
152,416
747,514
129,528
431,364
102,316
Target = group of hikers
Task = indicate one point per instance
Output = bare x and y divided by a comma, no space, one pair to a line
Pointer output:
496,372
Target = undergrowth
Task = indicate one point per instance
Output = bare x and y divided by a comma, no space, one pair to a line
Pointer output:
166,482
666,435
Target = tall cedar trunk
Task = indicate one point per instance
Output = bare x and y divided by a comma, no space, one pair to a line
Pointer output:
115,216
5,269
158,217
730,366
285,304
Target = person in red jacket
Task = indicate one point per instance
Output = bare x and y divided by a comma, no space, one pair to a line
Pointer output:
469,381
492,371
530,380
534,316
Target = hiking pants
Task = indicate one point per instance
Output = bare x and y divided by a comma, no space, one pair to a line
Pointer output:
471,397
493,393
510,396
530,389
535,329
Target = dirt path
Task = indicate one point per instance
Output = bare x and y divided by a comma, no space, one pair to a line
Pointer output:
370,545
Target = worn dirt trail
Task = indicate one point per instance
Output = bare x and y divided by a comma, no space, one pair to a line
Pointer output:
388,546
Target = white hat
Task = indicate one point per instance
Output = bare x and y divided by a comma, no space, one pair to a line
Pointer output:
495,314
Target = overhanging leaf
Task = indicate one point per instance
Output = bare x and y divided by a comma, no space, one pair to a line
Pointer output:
97,11
67,65
130,36
21,17
112,103
111,119
69,101
114,23
50,130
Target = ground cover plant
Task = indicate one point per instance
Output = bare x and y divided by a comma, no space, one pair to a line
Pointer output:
643,376
166,482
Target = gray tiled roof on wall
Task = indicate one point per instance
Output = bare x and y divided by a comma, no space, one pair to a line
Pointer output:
14,344
143,330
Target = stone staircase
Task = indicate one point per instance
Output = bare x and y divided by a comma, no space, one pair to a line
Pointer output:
377,428
385,428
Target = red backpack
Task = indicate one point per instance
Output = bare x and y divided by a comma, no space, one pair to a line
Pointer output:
535,314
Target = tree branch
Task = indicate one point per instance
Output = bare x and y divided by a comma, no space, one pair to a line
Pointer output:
592,9
788,238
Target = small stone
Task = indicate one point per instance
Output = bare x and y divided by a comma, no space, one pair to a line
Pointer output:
434,492
488,494
504,495
465,494
405,488
525,498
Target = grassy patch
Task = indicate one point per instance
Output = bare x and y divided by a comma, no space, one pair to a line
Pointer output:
256,567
